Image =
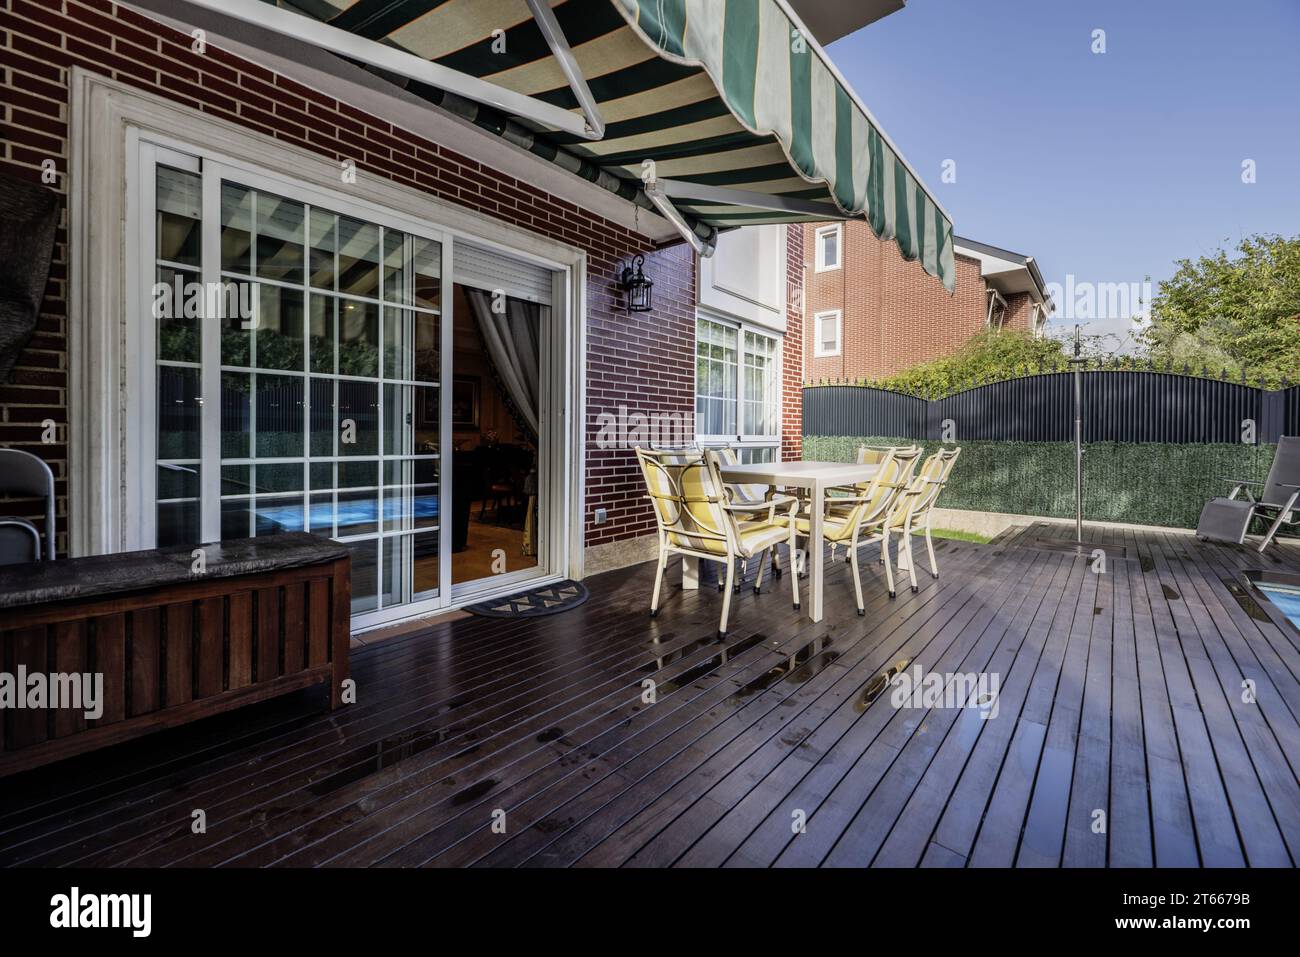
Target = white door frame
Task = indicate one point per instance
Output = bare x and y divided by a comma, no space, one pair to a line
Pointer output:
108,122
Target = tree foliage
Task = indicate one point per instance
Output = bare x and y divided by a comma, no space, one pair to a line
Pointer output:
1233,314
988,356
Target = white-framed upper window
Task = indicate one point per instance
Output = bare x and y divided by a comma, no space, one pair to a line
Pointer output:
830,247
827,332
738,388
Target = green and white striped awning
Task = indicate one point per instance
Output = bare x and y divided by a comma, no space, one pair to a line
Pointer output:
727,97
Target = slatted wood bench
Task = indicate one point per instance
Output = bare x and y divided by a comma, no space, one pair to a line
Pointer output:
265,617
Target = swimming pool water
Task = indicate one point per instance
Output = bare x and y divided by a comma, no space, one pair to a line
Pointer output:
1286,598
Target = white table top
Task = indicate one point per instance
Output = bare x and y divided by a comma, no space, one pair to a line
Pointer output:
798,474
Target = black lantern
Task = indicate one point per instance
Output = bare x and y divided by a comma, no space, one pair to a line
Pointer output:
637,287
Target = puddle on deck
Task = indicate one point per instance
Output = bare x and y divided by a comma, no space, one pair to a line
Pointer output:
695,672
879,684
808,661
1247,601
384,754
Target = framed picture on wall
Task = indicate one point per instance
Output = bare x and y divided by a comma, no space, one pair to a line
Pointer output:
426,409
465,394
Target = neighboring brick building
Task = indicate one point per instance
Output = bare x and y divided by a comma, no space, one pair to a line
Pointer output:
870,313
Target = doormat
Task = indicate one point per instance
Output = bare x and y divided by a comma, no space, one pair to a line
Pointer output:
547,600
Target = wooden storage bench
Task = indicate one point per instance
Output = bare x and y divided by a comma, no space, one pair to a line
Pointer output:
267,616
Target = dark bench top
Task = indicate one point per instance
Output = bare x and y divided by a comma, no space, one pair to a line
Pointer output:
100,575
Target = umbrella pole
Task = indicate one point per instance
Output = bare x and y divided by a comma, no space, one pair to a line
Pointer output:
1077,363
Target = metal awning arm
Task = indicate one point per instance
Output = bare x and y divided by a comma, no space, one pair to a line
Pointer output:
559,45
413,67
655,191
724,196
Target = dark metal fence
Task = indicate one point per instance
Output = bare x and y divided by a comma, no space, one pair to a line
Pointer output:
1119,406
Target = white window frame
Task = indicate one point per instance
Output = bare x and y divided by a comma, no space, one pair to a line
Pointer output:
109,122
818,351
741,439
837,229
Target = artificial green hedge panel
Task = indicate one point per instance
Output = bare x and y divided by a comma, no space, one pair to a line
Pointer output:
1143,483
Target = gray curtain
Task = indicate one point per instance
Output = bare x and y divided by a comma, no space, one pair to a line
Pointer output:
29,215
511,338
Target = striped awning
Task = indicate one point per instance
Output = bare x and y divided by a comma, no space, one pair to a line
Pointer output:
726,97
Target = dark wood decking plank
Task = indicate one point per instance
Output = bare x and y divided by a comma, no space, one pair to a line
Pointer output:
485,786
1215,829
1263,639
1128,822
466,840
1172,830
670,832
680,784
958,824
1087,820
614,816
917,737
1014,662
757,830
1042,842
561,818
1236,729
999,833
1272,688
781,764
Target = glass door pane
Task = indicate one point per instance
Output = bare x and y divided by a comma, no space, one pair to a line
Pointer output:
325,364
177,305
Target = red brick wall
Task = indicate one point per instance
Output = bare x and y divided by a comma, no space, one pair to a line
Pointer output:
644,361
1020,308
793,348
895,315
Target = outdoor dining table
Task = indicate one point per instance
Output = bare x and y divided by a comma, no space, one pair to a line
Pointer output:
816,477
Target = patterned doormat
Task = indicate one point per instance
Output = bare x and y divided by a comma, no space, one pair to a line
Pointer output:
547,600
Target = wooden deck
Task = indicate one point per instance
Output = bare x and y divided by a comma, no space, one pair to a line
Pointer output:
1124,734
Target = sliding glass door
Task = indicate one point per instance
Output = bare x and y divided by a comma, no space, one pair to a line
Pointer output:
298,358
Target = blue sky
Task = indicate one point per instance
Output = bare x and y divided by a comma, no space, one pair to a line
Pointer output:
1107,166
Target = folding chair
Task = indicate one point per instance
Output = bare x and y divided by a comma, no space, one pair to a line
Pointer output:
24,475
1228,519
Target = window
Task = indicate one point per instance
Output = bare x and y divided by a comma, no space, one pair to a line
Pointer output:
715,378
826,328
829,242
737,388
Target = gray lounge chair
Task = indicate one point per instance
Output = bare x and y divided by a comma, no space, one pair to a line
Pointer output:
1228,519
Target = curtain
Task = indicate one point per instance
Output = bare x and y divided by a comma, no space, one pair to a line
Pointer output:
29,215
511,338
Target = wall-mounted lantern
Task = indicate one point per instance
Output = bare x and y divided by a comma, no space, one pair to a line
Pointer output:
637,287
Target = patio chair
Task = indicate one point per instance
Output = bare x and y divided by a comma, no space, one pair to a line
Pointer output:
751,494
847,517
1228,519
915,507
866,455
696,520
23,475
